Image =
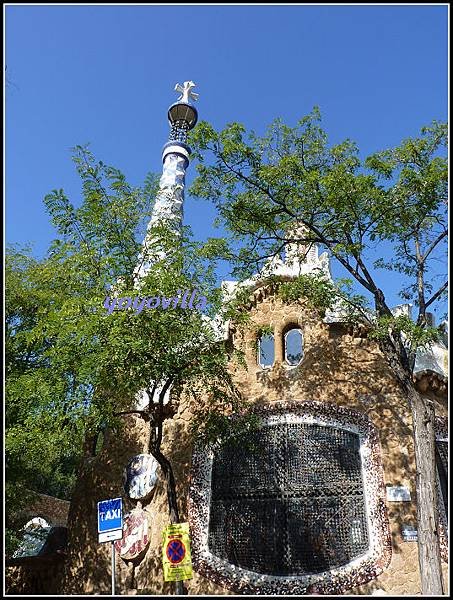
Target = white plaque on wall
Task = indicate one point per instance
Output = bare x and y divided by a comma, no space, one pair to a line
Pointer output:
398,493
409,533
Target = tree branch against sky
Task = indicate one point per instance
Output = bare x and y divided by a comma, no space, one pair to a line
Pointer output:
394,200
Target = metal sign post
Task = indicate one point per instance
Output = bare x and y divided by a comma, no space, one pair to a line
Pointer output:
179,588
113,568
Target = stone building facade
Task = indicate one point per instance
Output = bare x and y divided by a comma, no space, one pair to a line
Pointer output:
342,383
311,507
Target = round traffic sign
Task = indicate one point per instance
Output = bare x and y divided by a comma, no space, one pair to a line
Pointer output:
140,476
176,551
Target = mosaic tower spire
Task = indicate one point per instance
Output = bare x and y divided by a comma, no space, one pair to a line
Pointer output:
168,207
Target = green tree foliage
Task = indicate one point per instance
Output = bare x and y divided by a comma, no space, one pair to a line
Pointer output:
42,446
316,289
291,186
72,366
263,186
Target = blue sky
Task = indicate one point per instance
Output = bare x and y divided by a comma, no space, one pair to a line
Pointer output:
105,75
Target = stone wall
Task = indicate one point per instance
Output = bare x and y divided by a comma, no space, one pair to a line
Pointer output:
39,576
53,510
338,368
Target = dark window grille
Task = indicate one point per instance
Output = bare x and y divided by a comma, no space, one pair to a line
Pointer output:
293,504
442,470
179,131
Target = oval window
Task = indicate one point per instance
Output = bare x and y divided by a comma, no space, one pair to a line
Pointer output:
294,351
266,352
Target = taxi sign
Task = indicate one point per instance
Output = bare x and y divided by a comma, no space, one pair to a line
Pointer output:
110,515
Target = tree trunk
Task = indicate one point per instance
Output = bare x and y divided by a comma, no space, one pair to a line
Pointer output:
172,501
427,501
171,486
422,410
154,443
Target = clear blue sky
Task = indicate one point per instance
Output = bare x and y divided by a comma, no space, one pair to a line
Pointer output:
105,75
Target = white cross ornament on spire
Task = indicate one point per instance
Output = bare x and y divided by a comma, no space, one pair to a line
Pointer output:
186,91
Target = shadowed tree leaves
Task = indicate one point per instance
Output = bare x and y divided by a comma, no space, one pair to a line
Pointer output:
72,367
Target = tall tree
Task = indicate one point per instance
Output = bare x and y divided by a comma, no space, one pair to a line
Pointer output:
77,357
394,200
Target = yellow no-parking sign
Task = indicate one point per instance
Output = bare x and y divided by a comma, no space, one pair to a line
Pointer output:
176,557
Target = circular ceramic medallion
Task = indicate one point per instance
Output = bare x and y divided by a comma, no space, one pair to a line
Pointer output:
135,534
140,476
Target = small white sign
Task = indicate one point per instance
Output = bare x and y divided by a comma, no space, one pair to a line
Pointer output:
111,536
409,533
398,493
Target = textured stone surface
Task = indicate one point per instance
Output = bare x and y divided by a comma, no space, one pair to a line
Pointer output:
53,510
42,578
45,576
337,368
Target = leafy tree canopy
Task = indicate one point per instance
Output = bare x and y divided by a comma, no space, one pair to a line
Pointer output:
74,366
397,199
291,187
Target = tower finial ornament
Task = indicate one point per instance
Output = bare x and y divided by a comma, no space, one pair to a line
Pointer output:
182,115
186,91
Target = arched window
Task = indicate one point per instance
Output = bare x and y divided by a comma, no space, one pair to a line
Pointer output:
266,350
36,523
294,346
303,504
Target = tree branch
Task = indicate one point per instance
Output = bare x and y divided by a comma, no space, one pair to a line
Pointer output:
437,294
431,247
420,284
162,393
